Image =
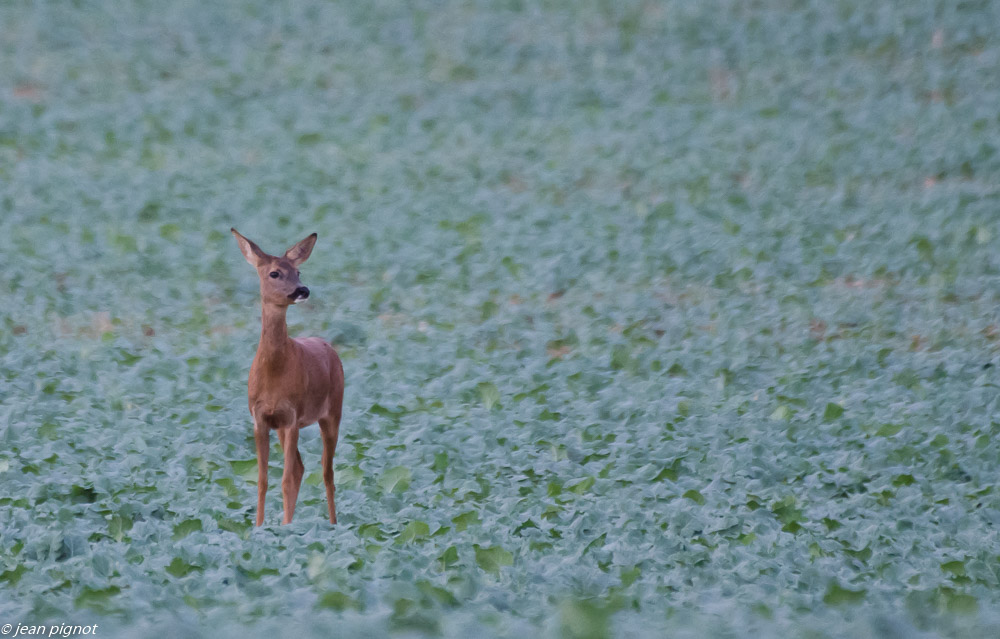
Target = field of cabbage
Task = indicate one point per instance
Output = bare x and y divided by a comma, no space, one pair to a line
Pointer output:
658,318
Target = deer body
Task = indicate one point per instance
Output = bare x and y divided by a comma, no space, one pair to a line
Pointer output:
293,382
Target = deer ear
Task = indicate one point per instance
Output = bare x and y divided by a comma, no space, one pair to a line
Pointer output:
250,251
300,252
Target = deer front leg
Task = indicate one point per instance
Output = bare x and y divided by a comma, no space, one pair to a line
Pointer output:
261,436
291,478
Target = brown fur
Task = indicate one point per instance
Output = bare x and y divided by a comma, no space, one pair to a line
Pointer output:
293,382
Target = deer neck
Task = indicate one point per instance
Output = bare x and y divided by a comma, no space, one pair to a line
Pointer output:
275,345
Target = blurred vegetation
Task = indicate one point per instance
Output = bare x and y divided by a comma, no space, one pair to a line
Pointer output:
657,317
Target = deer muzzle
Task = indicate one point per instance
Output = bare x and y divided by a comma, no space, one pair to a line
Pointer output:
299,294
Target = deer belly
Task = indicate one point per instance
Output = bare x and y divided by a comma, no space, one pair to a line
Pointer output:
273,416
314,408
314,403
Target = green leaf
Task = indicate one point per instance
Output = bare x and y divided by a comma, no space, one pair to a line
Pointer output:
695,496
684,408
628,576
837,595
395,480
960,602
314,478
170,231
924,248
229,487
585,619
348,476
903,480
13,575
436,593
621,357
179,568
466,519
671,472
336,600
782,413
888,430
241,528
787,511
185,528
98,599
583,486
449,557
118,525
254,573
492,559
245,468
554,488
371,530
832,412
382,411
677,370
489,394
413,531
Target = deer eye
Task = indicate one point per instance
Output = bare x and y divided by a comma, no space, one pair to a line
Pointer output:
274,274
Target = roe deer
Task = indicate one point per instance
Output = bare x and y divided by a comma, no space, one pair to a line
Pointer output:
293,382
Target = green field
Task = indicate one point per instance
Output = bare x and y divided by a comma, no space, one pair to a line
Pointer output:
658,318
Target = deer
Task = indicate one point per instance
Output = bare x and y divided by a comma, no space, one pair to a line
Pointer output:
293,382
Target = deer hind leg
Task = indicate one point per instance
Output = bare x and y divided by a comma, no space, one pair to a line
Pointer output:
329,428
261,436
291,478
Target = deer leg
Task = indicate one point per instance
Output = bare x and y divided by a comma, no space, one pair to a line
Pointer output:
291,478
329,428
261,436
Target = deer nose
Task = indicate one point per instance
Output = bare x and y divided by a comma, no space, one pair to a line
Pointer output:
300,293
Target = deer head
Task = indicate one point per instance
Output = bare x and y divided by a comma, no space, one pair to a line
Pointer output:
279,276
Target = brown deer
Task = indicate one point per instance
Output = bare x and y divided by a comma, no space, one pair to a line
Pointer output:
293,382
